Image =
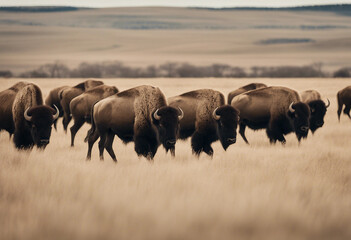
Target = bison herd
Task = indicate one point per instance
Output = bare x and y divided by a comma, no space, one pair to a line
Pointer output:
144,116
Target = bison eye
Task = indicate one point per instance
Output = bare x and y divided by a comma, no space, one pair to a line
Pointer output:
296,115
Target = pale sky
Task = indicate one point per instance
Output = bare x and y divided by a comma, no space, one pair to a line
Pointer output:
183,3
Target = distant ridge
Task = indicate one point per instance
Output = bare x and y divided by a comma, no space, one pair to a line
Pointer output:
328,8
40,9
342,9
331,8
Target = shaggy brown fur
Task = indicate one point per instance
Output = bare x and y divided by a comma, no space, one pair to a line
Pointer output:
7,98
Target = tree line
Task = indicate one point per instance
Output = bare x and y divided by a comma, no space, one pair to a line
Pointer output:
116,69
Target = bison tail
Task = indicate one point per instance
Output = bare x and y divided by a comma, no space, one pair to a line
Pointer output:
340,105
60,94
93,127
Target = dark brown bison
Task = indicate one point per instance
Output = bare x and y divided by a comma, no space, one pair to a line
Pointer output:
80,106
54,99
66,95
206,119
31,118
317,106
344,98
6,101
276,109
139,114
248,87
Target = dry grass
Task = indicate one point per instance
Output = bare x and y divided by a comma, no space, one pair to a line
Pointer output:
256,192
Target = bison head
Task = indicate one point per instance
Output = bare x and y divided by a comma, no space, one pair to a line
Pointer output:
167,120
318,109
299,113
227,118
40,120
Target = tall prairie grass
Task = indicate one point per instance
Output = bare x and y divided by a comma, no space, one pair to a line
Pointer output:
257,191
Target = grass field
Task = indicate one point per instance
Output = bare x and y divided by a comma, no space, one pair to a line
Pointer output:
257,191
155,35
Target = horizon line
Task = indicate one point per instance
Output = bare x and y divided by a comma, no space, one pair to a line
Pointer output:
189,6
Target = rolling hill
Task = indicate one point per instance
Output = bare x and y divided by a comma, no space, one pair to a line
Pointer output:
143,36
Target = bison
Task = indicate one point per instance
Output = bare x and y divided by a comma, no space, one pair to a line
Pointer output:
206,119
32,119
139,114
317,106
80,106
66,95
276,109
54,99
344,98
6,101
248,87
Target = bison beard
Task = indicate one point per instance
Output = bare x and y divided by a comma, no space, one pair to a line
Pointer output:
146,143
202,142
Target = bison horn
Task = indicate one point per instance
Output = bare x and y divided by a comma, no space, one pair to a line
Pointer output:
26,116
181,114
327,105
291,108
156,116
56,115
215,115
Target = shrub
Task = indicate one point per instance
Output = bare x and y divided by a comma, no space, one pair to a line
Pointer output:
6,74
342,73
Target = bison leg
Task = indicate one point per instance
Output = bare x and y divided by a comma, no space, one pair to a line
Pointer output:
339,111
172,150
242,128
200,144
197,143
23,139
102,146
92,139
66,119
274,135
347,110
87,136
146,145
108,145
78,123
208,150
